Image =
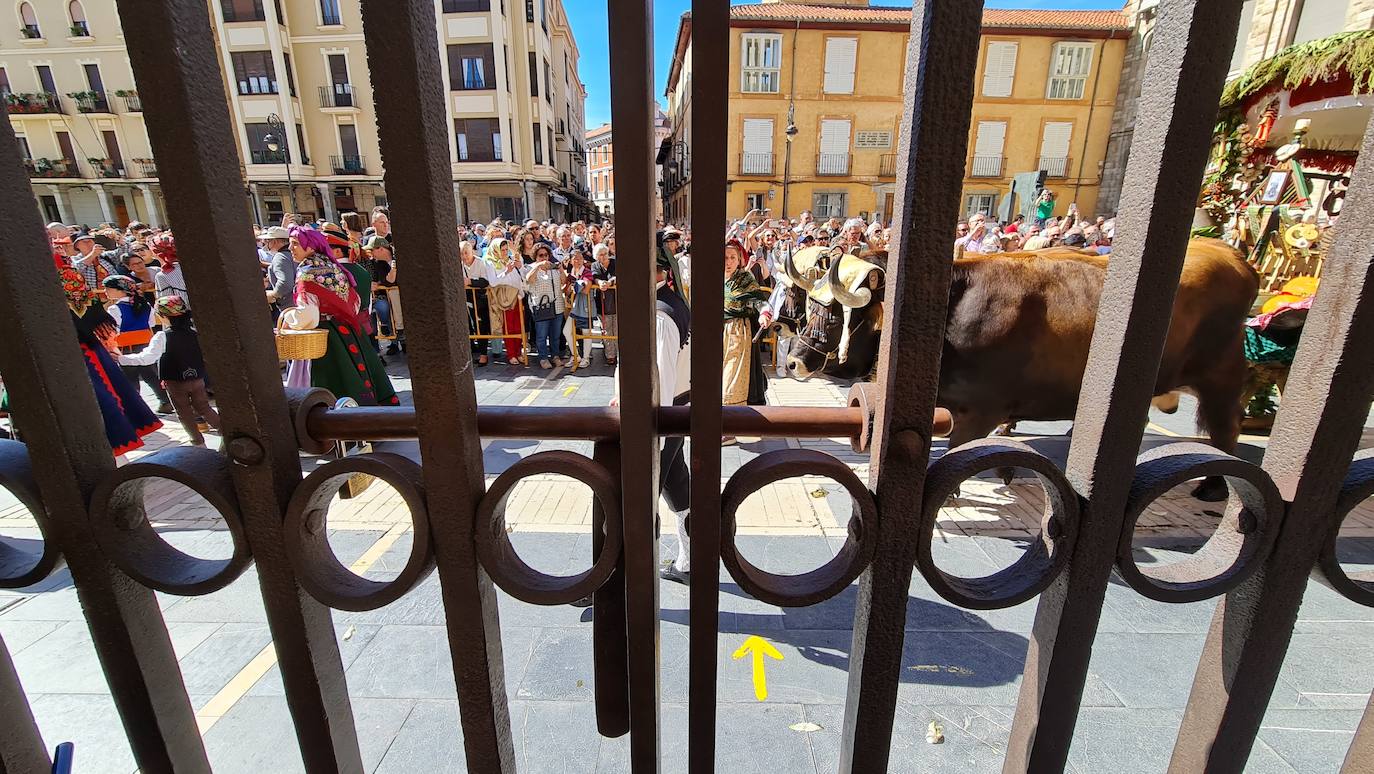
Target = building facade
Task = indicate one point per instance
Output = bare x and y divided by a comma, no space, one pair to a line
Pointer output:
816,103
601,169
300,97
1266,27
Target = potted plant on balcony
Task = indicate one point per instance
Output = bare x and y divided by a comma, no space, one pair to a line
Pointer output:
126,93
86,101
103,167
24,103
77,31
30,32
45,168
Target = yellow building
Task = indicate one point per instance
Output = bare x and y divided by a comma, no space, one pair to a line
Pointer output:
514,103
816,102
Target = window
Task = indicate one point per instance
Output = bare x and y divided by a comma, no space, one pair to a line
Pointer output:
112,151
834,156
350,160
45,78
329,13
24,147
507,208
755,201
1054,148
466,6
829,205
529,11
80,29
243,11
1069,67
840,56
1319,19
979,203
534,75
544,15
64,144
300,143
538,144
553,149
506,62
290,76
758,147
258,151
548,82
479,139
281,15
253,72
1247,18
987,149
30,21
761,62
471,67
5,89
999,68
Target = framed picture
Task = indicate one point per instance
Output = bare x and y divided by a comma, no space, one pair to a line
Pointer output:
1273,187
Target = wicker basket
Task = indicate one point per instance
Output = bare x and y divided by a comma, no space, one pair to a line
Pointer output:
301,345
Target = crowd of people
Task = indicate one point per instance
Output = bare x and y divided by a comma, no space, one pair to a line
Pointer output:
980,234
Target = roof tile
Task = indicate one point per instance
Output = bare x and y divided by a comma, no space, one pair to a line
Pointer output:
1009,18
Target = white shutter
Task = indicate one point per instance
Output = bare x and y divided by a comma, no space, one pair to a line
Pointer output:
999,70
1055,143
991,136
758,135
835,135
840,55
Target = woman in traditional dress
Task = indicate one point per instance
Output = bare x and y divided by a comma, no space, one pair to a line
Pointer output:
506,291
743,381
169,281
127,418
327,298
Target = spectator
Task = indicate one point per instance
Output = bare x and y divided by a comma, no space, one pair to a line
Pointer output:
381,264
580,282
507,290
603,273
477,275
281,269
544,281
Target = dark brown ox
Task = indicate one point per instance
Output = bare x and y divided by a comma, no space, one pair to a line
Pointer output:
844,311
1020,326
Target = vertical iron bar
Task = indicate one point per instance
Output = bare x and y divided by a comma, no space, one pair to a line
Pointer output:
48,384
610,643
1183,80
710,106
414,135
1315,436
940,64
632,104
189,123
21,746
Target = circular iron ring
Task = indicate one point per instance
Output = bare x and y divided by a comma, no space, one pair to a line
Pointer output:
128,539
1359,486
301,401
20,567
306,536
1042,560
503,563
830,578
1235,550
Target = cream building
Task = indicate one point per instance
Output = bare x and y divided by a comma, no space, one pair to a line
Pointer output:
515,106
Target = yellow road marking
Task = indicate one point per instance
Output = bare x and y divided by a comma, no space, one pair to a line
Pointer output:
530,398
571,389
239,685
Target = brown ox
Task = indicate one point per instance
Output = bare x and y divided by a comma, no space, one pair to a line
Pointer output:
1020,326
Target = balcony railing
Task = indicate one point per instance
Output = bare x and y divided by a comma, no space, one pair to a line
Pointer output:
106,168
340,95
51,168
832,164
132,103
267,156
146,167
887,165
1055,166
80,30
91,101
986,166
34,102
756,163
348,164
31,31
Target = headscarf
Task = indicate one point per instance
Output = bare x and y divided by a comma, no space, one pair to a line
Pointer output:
172,306
668,262
130,287
318,243
496,254
165,248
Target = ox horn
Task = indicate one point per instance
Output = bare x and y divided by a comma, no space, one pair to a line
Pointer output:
855,300
789,269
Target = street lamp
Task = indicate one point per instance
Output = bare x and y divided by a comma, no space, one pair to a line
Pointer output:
789,134
276,141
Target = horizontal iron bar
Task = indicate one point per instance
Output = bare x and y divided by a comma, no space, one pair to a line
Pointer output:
597,423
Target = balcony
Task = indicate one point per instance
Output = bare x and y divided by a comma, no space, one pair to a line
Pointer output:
106,168
79,30
986,166
887,165
34,102
340,95
132,104
348,165
832,164
265,156
145,167
51,168
756,163
91,101
1055,166
31,32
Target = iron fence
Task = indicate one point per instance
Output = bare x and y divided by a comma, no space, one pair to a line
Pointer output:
1280,525
986,166
756,163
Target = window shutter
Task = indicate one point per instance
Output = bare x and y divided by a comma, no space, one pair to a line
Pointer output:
999,71
758,135
840,54
1055,143
834,136
991,135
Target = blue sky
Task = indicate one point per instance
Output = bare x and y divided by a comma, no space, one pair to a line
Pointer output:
588,19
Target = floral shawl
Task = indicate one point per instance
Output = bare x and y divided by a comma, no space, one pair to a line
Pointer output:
324,283
743,296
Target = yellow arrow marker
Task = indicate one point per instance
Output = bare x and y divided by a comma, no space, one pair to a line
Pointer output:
570,391
760,648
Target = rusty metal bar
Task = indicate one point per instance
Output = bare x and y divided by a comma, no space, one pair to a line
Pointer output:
1183,80
610,639
940,65
191,124
21,746
1360,757
403,52
710,118
1315,435
632,105
597,423
48,383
